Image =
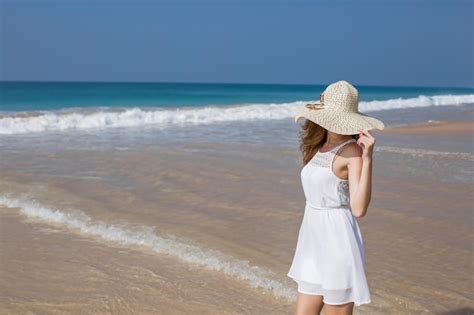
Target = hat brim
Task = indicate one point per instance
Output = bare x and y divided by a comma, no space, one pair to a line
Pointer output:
345,123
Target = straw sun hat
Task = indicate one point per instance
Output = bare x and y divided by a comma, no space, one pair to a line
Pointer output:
338,111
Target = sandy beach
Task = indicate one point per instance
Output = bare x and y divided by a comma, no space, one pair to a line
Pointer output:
448,127
150,158
140,219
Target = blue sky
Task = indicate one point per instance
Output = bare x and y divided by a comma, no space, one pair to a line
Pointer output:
400,43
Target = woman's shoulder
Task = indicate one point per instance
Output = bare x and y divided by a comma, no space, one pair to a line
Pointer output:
350,150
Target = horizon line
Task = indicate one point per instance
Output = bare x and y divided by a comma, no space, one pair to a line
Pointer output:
229,83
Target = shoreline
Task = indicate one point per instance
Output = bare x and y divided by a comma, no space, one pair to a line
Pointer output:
97,277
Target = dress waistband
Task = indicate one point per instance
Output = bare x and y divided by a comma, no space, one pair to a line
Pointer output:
313,207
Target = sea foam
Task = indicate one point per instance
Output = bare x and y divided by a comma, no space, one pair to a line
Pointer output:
162,118
145,236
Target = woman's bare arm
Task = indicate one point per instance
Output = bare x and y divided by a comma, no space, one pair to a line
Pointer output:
360,174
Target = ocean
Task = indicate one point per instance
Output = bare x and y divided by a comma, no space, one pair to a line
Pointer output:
27,107
175,198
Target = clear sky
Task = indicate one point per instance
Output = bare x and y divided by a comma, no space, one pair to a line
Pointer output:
380,42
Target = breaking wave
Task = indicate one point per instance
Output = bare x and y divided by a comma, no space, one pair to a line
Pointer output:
163,118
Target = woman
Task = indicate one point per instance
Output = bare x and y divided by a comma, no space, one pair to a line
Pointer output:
329,259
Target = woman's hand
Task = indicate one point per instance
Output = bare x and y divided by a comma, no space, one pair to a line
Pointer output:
366,141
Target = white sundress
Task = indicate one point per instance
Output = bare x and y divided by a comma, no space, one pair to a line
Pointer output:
329,258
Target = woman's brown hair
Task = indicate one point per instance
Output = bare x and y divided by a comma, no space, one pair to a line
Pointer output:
312,137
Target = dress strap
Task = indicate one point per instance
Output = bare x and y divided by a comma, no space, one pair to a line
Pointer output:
334,150
324,159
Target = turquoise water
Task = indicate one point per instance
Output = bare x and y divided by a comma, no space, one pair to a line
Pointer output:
37,107
29,96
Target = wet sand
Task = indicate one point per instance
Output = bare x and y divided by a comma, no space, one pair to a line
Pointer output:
78,275
244,201
447,127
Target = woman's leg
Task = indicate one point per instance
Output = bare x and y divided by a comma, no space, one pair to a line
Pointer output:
308,304
344,309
